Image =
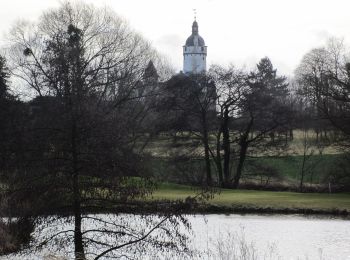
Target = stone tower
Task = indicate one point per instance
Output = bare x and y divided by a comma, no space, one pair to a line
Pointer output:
195,53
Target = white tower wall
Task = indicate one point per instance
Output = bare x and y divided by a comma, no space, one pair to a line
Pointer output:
195,59
195,53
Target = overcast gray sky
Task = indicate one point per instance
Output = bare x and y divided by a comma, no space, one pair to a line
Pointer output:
235,31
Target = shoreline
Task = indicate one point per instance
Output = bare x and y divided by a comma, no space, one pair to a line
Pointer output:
164,207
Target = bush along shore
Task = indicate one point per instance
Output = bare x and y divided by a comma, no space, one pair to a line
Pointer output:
163,206
179,199
14,235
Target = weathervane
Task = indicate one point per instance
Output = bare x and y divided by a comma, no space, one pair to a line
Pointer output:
195,14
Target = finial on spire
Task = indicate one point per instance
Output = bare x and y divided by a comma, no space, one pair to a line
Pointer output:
195,14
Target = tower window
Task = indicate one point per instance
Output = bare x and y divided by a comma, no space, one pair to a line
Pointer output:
202,48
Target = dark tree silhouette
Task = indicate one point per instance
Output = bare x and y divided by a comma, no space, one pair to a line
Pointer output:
264,111
189,102
84,66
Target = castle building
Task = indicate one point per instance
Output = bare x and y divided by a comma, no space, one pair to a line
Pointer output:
195,53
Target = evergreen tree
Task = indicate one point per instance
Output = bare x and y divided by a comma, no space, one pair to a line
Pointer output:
264,113
4,76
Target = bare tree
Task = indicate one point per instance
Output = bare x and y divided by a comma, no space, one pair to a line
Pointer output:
263,112
189,102
84,65
230,87
323,78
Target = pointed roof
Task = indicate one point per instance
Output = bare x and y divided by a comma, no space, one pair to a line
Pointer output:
150,72
195,39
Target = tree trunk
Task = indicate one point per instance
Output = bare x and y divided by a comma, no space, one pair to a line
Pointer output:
206,150
218,158
78,237
227,151
207,160
242,157
302,173
243,143
291,137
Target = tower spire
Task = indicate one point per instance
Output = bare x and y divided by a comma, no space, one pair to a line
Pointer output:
195,24
194,50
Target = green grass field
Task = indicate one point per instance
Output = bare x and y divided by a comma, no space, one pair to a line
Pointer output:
161,146
287,167
286,164
261,199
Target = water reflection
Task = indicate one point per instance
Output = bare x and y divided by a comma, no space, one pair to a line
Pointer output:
291,236
241,237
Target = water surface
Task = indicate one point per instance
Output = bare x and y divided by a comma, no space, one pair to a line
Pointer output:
225,237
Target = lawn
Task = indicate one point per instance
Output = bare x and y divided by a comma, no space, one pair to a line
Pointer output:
285,165
261,199
288,167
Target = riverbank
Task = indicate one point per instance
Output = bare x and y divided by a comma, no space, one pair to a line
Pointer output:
169,197
267,236
253,201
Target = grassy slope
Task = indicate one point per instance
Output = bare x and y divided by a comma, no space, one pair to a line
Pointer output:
160,147
261,199
287,165
290,166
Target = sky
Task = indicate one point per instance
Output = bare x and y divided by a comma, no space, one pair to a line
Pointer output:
238,32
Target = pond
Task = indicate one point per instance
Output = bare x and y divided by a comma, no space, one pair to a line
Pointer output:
218,236
285,236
